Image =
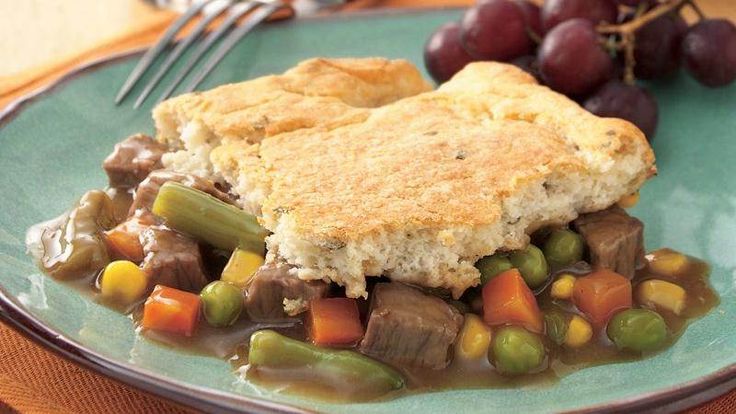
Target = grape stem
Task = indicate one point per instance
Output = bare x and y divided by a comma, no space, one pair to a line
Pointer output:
626,31
536,38
696,9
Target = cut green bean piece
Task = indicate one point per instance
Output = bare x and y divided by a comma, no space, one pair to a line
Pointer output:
272,350
556,323
71,246
208,219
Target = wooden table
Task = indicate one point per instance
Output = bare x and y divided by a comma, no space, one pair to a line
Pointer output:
39,41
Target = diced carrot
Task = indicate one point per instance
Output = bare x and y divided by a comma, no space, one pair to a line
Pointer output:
601,294
508,300
334,321
171,310
123,242
124,245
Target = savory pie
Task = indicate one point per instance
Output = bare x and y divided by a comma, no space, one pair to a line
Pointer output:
358,169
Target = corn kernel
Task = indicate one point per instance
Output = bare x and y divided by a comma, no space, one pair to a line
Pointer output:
123,281
661,294
563,286
667,262
629,201
475,338
578,333
241,266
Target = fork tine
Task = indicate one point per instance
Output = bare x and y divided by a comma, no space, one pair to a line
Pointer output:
261,14
237,11
180,48
152,53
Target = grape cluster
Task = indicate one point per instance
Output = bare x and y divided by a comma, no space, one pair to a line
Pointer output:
590,50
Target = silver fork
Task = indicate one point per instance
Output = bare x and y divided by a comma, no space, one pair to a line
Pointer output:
259,11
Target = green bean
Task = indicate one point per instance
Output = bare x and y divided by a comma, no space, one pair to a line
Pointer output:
272,350
222,303
563,248
208,219
556,324
490,266
531,264
71,245
517,351
638,330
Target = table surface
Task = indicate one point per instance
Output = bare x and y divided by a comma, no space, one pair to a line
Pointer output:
39,41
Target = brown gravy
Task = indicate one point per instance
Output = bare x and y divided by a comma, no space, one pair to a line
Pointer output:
232,342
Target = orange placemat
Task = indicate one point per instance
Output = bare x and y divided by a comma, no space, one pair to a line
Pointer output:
35,380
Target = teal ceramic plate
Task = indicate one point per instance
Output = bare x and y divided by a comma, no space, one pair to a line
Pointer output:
51,146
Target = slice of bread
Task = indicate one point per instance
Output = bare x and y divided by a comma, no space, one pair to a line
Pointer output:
419,189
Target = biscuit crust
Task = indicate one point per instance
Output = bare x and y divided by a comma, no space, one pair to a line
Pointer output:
420,184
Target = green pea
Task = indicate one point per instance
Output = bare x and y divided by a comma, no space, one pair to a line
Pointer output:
222,303
563,248
556,324
637,330
531,264
490,266
517,351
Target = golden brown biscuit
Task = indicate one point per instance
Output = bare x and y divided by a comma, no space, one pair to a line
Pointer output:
315,92
420,188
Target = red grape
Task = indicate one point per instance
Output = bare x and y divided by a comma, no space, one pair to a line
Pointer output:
532,16
632,103
571,60
495,30
709,49
529,64
657,47
555,12
619,67
444,56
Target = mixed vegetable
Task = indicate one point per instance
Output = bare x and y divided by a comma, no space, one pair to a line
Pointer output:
189,263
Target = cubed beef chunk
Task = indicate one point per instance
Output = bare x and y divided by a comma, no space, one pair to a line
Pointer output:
615,240
147,191
132,160
409,327
172,259
274,293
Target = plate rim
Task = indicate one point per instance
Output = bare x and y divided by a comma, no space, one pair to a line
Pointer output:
198,397
670,399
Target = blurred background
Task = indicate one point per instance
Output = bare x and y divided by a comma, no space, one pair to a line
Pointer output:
37,35
32,32
42,36
42,39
